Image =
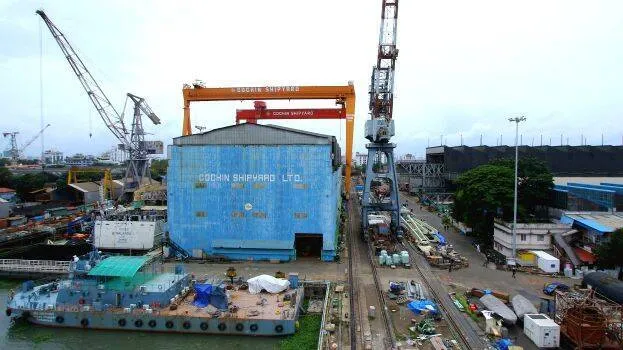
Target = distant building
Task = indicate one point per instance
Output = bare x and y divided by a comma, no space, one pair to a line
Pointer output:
53,157
590,230
80,160
536,236
601,194
361,159
561,160
7,193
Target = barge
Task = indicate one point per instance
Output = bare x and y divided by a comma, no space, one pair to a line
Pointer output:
127,293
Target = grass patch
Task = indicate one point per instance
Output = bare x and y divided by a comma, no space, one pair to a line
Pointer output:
306,338
463,301
9,283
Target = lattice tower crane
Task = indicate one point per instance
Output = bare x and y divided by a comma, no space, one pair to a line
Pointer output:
380,196
132,141
16,152
13,150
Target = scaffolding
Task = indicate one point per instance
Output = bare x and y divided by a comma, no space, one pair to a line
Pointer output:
588,321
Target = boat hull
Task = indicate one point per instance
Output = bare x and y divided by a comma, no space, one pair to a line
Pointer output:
158,323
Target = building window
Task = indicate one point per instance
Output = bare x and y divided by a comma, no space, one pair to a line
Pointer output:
301,186
259,214
200,214
237,185
258,186
300,215
523,237
540,238
200,184
237,214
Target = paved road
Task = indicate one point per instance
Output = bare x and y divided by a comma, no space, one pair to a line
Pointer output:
476,275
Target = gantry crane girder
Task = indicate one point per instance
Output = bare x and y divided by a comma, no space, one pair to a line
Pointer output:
107,184
343,96
261,112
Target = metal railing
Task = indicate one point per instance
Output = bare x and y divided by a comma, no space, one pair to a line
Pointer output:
42,266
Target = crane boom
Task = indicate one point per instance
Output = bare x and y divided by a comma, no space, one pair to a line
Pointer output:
107,112
33,138
382,85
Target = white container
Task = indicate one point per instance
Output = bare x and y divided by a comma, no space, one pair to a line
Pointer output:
383,252
149,311
542,330
546,262
388,260
381,259
127,310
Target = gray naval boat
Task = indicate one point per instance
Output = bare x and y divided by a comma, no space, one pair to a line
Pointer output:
126,293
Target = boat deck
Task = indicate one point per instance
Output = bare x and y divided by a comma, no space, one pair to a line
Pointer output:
263,306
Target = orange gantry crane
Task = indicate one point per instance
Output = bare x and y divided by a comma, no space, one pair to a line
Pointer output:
343,96
261,112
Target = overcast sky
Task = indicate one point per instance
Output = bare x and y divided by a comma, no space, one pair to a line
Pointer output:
464,66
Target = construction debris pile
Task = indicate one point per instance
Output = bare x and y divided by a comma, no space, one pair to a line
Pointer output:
589,321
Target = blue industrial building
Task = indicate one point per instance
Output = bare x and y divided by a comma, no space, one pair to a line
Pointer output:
259,192
589,197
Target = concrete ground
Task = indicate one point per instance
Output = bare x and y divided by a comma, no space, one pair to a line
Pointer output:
479,276
308,268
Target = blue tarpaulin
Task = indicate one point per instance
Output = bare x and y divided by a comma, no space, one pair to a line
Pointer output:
218,298
503,344
419,306
202,296
442,239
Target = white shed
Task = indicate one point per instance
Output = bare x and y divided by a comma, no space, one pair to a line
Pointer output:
546,262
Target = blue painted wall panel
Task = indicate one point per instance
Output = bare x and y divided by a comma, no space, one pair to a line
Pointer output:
251,197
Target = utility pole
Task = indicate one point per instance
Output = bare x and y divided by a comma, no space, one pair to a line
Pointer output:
516,120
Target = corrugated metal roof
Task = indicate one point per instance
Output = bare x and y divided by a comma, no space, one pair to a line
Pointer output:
543,255
86,186
119,266
254,134
598,221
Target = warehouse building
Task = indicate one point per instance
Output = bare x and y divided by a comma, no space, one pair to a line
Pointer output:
259,192
561,160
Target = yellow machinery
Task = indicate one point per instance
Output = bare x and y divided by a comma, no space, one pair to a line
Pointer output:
72,177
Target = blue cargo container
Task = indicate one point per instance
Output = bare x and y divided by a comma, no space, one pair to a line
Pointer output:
257,192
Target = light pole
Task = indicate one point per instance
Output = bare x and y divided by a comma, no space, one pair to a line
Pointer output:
516,120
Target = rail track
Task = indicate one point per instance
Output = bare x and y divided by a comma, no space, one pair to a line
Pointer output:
354,241
459,324
351,280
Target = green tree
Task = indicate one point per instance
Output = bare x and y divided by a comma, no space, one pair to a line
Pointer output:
482,194
159,168
534,184
609,254
28,182
6,178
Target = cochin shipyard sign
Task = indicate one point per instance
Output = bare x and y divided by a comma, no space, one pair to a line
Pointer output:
211,177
